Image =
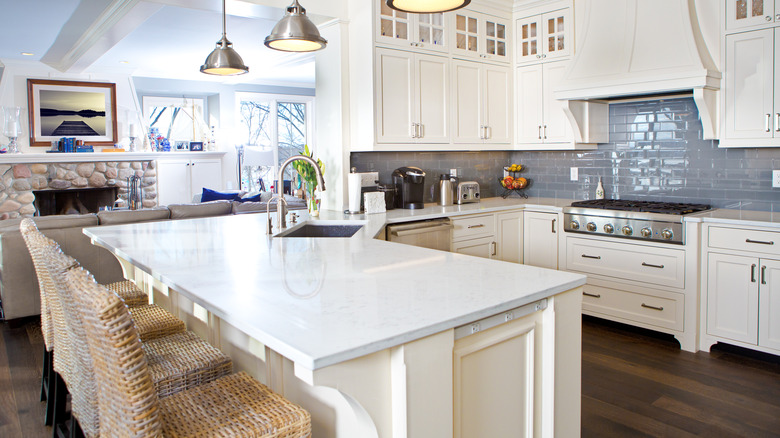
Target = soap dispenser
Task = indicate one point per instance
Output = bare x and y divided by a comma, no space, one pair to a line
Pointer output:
600,190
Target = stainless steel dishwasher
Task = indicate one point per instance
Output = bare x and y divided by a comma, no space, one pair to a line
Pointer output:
434,234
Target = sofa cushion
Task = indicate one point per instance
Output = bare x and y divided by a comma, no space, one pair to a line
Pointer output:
52,222
116,217
209,195
205,209
261,207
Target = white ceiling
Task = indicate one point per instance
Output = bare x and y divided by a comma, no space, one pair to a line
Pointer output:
149,38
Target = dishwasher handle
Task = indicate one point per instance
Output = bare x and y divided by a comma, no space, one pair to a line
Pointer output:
414,229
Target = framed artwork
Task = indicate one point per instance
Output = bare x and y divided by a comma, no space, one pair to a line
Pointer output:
182,145
84,110
196,146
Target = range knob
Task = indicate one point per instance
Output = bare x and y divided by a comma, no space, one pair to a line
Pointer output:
627,230
609,229
591,226
667,234
646,232
574,225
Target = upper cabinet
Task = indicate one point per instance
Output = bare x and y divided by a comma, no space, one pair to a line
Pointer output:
741,14
414,31
544,37
541,122
752,90
480,36
482,107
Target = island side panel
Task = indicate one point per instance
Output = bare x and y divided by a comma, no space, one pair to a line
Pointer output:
568,363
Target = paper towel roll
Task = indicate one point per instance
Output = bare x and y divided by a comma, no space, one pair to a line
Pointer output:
354,183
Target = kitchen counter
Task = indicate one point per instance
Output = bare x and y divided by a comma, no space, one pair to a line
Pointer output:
766,219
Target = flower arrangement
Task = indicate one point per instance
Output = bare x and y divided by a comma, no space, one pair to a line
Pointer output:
307,173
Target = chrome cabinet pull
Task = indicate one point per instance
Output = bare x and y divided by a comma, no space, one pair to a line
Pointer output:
777,118
763,275
652,266
768,123
553,225
545,132
414,130
591,295
493,248
647,306
760,242
753,273
585,256
540,132
421,129
476,226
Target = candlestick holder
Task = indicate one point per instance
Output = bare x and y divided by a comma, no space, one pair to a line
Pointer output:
132,144
12,127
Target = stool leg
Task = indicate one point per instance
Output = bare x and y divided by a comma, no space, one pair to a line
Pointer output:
45,372
51,383
60,399
75,429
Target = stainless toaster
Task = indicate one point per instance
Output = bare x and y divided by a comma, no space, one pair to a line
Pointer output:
468,191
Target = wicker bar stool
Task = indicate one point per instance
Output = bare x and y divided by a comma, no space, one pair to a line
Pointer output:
176,362
235,405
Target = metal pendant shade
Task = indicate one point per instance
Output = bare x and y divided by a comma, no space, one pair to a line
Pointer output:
426,6
295,32
223,60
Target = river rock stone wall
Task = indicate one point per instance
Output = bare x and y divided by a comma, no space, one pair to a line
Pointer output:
18,181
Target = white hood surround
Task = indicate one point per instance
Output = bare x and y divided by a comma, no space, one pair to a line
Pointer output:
637,48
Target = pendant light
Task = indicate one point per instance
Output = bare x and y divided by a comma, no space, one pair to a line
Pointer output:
224,61
426,6
295,32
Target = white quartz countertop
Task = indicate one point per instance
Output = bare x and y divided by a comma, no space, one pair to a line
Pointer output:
323,301
765,219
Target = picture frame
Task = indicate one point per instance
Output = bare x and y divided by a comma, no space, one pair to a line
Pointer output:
182,146
83,110
196,146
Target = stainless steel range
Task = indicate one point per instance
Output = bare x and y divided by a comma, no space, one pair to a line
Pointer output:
644,220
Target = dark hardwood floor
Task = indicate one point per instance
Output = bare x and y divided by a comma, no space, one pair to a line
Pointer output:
635,383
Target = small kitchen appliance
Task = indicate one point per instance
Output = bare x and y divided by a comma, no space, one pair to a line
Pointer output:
446,190
643,220
409,187
468,192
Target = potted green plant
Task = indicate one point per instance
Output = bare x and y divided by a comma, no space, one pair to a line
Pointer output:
307,173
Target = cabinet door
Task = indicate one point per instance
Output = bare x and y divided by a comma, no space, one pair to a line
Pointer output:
556,35
205,173
484,247
394,96
777,76
769,304
173,181
498,104
467,88
509,235
746,13
394,27
529,104
749,84
432,94
540,239
555,128
465,31
528,41
495,39
732,297
431,31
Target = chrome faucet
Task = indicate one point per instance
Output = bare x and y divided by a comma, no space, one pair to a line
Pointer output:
281,210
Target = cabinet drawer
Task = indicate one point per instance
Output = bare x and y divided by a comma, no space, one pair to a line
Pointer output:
627,261
745,240
661,311
473,226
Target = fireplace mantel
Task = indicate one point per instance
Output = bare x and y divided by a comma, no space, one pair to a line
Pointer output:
92,157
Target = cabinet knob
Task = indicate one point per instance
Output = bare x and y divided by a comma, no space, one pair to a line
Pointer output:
538,56
768,18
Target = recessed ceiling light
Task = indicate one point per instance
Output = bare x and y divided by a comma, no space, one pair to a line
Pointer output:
28,54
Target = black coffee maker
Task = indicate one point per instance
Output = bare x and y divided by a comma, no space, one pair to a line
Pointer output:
409,187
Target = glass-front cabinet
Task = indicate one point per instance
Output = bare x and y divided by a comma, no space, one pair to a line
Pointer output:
543,37
480,36
423,31
749,13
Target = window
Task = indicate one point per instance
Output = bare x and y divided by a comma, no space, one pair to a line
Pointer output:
176,118
273,122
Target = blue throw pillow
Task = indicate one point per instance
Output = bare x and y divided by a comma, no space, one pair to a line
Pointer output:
213,195
255,198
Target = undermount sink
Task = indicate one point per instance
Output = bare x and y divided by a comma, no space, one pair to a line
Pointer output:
329,230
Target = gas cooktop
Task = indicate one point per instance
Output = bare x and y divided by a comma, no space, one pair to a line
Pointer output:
646,206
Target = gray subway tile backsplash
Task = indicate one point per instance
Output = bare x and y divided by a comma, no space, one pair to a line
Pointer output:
656,153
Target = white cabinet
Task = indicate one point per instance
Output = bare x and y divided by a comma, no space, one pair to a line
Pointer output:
543,37
411,97
415,31
752,92
482,103
769,304
732,297
484,247
742,14
475,236
179,179
481,36
509,235
540,117
540,243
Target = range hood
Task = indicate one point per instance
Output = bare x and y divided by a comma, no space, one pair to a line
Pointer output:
629,48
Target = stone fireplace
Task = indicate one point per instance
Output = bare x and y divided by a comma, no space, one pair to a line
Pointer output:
19,183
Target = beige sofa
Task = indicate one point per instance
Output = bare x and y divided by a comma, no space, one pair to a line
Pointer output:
19,295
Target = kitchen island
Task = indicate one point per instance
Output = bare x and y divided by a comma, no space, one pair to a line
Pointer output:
373,338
